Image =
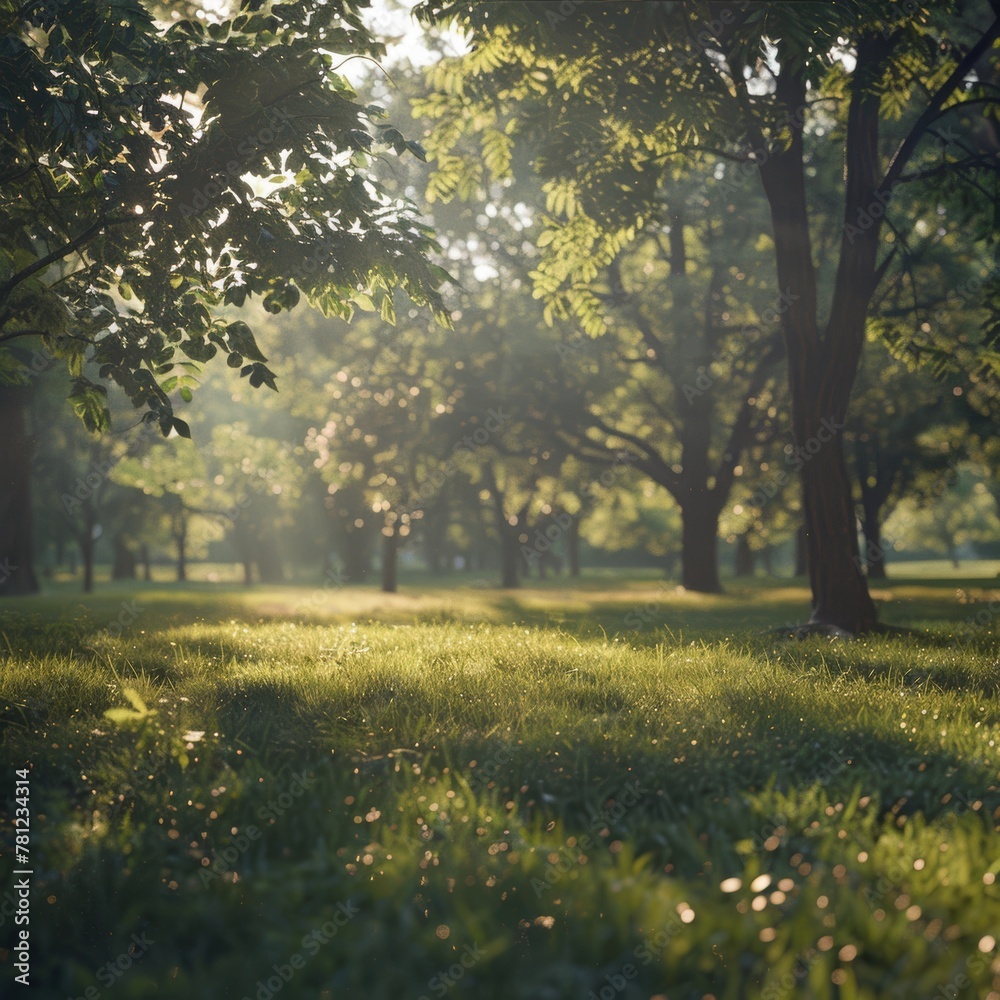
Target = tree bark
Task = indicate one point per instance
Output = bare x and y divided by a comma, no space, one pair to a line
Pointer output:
87,548
699,549
573,547
123,566
822,368
510,557
268,558
17,572
390,561
180,539
357,557
801,553
147,569
874,553
744,556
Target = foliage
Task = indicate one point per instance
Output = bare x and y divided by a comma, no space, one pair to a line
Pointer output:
155,171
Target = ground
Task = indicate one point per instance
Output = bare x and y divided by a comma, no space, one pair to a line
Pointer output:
610,790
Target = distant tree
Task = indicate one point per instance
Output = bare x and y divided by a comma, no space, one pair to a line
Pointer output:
945,520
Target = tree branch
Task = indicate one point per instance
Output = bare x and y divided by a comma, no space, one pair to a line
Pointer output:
56,255
909,144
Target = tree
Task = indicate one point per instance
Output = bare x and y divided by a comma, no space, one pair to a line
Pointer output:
614,100
945,521
151,172
174,472
684,377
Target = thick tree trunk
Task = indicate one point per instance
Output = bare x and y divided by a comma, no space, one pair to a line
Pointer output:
699,549
123,566
744,556
573,547
874,552
801,552
268,558
17,573
840,591
357,557
434,531
510,556
822,366
390,562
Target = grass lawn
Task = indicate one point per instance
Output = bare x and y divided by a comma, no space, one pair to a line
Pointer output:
612,790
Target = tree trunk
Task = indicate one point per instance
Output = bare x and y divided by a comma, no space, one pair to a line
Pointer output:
573,546
840,591
765,554
357,558
510,556
744,556
699,549
86,538
247,572
822,366
147,569
17,573
390,561
123,566
874,552
801,552
268,558
180,538
434,531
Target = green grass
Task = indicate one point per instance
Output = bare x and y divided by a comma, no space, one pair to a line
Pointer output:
384,786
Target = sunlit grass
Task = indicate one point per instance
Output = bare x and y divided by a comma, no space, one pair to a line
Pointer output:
523,779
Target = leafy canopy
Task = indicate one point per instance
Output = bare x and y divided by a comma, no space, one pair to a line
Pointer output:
152,172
